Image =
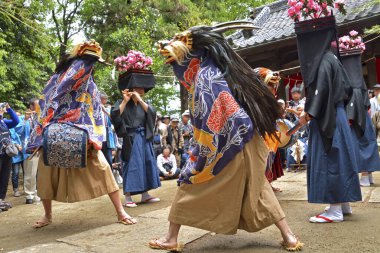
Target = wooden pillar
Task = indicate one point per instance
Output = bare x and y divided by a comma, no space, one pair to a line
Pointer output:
371,71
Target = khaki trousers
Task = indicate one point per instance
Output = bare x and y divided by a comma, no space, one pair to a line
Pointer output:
30,177
239,197
77,184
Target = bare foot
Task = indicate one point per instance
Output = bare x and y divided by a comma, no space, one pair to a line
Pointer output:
42,222
126,219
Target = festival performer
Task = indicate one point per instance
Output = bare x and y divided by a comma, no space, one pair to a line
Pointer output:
332,167
230,110
134,120
71,99
357,109
272,80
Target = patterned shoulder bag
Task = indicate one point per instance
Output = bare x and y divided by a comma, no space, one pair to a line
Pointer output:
65,146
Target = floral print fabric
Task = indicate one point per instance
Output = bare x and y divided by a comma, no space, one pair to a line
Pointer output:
221,126
71,96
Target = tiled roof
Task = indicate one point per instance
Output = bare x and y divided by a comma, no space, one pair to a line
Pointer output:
280,26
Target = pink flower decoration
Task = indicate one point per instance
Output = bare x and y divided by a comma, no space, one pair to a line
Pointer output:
298,6
351,42
292,2
312,8
291,11
358,40
133,60
353,33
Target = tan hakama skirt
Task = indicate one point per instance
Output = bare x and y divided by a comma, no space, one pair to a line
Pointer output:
76,184
239,197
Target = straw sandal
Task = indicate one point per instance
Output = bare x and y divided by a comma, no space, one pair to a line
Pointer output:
127,221
155,244
42,222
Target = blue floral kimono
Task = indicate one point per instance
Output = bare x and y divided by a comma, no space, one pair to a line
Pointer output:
221,126
71,96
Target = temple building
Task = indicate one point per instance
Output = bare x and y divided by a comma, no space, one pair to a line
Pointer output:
275,47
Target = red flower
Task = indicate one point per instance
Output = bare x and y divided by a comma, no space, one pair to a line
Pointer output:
78,84
79,74
223,108
71,116
191,72
61,77
184,84
38,130
80,81
49,116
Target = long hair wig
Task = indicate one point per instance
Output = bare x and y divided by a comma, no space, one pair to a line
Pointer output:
244,83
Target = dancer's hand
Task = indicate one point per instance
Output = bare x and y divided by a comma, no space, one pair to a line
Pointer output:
137,96
126,95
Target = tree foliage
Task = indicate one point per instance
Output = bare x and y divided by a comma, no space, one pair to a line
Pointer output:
25,64
65,17
120,26
33,35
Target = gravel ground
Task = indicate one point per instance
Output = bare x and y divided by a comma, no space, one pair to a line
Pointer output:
358,233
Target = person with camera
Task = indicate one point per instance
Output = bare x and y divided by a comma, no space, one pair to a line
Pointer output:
167,165
295,105
6,149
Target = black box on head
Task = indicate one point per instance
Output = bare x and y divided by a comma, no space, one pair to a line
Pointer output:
137,78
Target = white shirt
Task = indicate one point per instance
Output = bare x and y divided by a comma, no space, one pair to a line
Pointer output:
375,105
161,160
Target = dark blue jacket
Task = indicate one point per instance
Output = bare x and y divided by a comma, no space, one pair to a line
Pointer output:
13,121
5,125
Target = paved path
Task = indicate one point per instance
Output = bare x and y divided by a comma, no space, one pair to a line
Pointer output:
293,185
118,238
359,232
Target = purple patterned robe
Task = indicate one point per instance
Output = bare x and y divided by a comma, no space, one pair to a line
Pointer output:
221,126
71,96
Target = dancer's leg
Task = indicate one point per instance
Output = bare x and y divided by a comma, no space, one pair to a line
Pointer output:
171,238
289,238
121,213
47,218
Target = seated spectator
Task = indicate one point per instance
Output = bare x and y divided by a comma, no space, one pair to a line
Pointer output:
167,165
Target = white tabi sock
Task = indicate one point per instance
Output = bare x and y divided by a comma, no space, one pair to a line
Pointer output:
128,198
333,214
364,181
145,196
346,208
